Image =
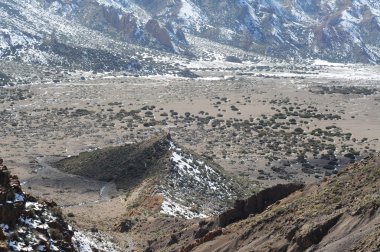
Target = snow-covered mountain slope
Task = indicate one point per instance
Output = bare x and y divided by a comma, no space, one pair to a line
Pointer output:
114,34
334,30
77,35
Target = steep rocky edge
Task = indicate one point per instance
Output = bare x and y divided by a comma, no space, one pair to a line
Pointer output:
29,224
339,214
256,203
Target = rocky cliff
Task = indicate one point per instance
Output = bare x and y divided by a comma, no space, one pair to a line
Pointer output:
256,203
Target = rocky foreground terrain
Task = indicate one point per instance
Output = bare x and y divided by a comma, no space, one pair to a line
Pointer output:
338,214
177,201
27,223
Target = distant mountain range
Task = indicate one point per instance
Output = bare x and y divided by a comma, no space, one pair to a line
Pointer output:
126,34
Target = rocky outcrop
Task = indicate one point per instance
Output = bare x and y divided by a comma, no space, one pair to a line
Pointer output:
187,185
12,199
208,237
196,235
257,203
314,235
126,165
28,224
126,23
159,33
124,226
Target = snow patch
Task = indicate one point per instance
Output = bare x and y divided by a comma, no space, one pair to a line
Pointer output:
89,242
194,189
173,208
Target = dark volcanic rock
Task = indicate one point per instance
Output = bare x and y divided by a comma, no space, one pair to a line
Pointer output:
121,21
200,233
233,59
12,199
127,165
316,234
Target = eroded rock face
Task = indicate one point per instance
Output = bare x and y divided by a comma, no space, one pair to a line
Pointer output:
28,224
125,226
159,33
123,22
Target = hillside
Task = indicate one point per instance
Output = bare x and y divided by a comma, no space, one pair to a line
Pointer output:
128,165
189,185
339,214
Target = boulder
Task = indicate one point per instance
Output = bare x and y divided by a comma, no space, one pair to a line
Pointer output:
125,226
23,221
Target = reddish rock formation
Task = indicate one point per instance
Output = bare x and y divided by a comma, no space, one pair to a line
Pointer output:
208,237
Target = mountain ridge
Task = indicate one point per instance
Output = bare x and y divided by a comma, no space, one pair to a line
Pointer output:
134,30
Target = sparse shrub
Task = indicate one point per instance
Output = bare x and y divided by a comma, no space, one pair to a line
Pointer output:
56,234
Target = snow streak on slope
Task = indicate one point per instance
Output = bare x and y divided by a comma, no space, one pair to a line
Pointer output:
127,6
189,180
91,242
192,15
24,237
